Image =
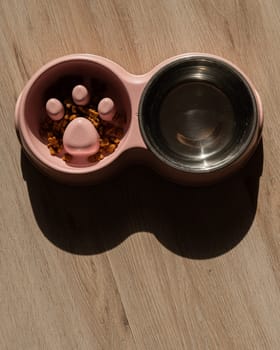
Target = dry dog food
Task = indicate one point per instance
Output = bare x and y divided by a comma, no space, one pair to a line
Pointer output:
110,133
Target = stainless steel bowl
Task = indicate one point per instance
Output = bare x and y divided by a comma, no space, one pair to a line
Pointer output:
198,114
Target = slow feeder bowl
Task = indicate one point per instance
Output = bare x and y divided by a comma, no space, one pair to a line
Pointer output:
195,118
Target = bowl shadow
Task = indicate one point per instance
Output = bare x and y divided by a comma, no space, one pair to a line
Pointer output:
197,223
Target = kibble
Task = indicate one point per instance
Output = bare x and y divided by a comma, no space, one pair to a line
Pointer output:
67,157
110,135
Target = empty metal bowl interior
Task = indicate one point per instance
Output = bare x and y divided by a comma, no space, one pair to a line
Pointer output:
197,114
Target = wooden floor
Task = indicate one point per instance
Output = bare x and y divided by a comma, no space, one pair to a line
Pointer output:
138,262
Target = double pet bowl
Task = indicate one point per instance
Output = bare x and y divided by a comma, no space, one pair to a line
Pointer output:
194,118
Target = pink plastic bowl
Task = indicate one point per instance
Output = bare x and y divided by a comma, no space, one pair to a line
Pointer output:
145,138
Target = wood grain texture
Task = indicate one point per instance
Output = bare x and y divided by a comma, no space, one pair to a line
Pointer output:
171,268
